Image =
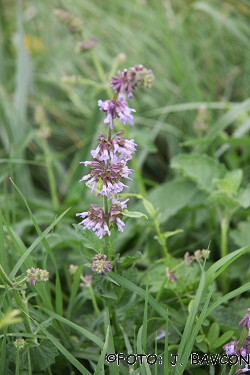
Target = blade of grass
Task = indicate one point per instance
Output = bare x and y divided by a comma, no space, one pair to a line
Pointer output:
191,318
73,292
79,329
100,364
59,298
134,288
145,370
217,268
189,340
166,348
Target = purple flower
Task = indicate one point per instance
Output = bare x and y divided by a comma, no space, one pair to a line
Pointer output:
230,347
100,264
171,276
116,109
122,84
109,175
131,78
242,370
95,220
188,258
87,281
245,322
117,145
115,213
36,275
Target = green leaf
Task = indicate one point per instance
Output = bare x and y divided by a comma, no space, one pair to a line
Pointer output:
90,239
223,339
213,333
149,207
133,214
200,338
231,182
202,169
241,235
244,197
41,355
172,196
125,261
224,199
172,233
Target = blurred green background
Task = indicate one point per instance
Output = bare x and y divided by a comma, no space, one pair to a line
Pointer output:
199,54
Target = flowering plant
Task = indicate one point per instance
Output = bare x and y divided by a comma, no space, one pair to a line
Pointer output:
109,166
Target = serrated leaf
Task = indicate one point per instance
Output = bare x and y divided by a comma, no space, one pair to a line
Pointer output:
41,355
231,182
244,197
202,169
133,214
224,199
125,261
90,239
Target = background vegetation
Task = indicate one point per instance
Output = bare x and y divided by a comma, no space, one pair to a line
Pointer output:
192,165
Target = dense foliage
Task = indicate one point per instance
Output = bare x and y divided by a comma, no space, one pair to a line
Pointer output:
179,280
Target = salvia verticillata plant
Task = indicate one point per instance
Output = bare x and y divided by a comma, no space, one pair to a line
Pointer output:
109,169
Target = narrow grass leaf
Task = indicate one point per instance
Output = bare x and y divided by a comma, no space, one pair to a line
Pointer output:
79,329
73,292
100,364
134,288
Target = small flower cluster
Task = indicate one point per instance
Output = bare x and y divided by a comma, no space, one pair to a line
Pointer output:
100,264
132,78
36,275
74,24
232,348
20,343
109,164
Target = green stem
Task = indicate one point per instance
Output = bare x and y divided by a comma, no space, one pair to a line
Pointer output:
24,311
224,230
51,177
97,311
5,277
162,240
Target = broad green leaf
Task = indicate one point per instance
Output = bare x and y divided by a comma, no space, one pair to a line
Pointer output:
241,235
225,200
133,214
201,168
89,238
125,261
244,197
222,339
172,196
200,338
231,182
213,333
